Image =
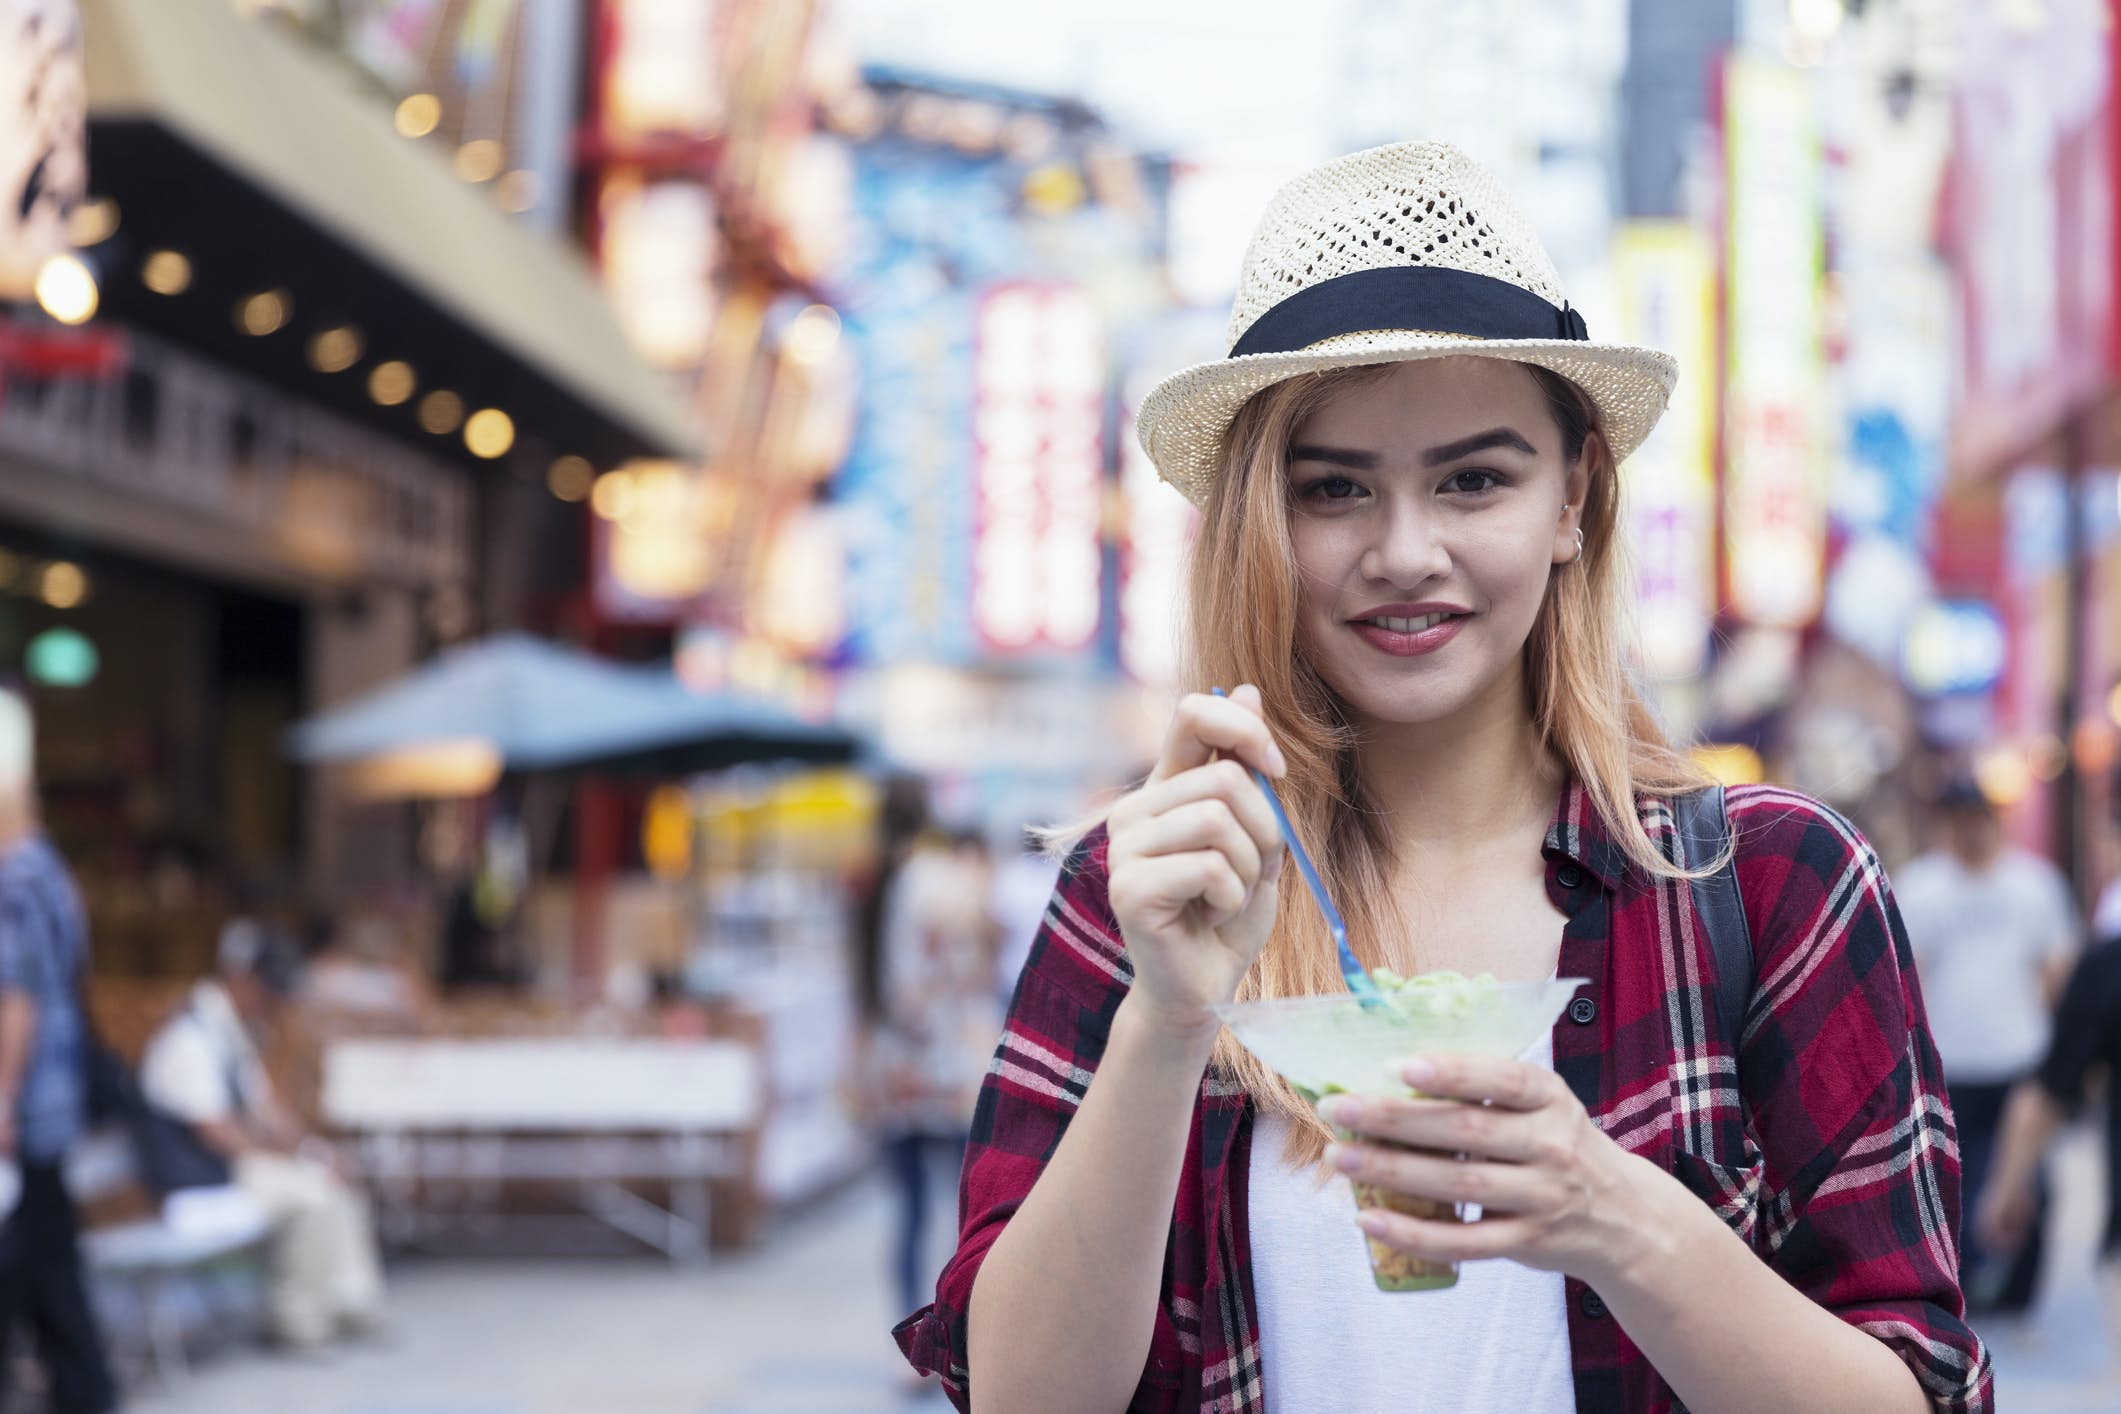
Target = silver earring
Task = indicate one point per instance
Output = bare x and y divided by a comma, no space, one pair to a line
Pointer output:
1579,542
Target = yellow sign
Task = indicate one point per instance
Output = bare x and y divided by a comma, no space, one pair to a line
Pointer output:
1664,275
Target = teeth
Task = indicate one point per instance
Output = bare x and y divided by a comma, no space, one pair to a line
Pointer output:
1426,621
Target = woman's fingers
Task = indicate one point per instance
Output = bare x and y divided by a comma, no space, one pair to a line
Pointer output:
1445,1126
1504,1188
1204,725
1488,1080
1226,781
1201,824
1433,1240
1167,883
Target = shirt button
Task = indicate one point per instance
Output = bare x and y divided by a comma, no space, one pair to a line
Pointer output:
1592,1305
1583,1011
1569,876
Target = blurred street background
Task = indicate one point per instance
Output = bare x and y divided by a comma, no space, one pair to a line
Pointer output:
554,547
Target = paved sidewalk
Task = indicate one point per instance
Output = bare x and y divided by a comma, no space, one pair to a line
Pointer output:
800,1327
2062,1360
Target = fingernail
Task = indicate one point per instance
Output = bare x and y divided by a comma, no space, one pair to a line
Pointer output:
1371,1222
1278,763
1342,1157
1417,1071
1341,1110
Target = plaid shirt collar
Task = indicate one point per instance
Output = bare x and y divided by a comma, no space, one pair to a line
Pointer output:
1579,836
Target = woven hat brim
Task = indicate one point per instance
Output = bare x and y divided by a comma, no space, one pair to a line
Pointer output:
1182,422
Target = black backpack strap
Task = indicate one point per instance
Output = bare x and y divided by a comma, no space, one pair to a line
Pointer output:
1704,834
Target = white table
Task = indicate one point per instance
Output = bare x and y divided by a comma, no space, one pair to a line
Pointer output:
466,1116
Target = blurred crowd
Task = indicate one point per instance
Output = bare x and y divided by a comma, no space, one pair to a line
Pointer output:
191,1140
2026,1014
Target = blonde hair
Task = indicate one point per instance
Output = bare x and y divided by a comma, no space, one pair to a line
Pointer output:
1242,626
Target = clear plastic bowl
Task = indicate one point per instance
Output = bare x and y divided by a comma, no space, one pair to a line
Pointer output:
1333,1043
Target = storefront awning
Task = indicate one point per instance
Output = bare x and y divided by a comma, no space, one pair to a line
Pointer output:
305,127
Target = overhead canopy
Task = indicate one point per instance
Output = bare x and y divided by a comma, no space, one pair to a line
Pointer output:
296,125
542,706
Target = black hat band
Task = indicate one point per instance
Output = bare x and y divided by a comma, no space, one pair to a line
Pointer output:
1431,299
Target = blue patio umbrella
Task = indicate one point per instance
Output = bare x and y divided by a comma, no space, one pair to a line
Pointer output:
543,706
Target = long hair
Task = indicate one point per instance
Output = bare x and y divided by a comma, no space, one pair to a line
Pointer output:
1241,626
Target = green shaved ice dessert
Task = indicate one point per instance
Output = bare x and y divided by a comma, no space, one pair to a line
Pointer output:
1325,1045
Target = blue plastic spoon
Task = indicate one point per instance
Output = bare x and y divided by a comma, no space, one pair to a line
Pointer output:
1351,968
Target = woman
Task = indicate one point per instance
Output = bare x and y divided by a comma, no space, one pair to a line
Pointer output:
1411,563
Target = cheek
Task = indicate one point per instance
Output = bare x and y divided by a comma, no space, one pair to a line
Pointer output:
1323,560
1510,563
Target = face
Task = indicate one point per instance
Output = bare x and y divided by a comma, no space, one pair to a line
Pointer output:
1426,512
1972,834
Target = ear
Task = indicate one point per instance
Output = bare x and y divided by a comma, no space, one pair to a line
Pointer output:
1575,486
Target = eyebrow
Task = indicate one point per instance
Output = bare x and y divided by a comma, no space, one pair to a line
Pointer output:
1337,456
1479,442
1436,456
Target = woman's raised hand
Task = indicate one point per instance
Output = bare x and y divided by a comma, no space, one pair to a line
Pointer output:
1194,859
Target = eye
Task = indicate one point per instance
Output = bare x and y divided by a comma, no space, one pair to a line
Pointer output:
1475,481
1331,488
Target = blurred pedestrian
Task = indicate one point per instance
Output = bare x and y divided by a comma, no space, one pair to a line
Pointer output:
362,968
43,1089
1994,933
1023,886
936,1023
2087,1041
202,1067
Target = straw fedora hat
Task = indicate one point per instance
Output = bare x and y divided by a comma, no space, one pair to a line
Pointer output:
1399,253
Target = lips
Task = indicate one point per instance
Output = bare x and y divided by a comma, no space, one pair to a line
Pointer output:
1409,635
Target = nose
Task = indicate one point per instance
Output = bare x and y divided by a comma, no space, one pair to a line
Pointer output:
1408,549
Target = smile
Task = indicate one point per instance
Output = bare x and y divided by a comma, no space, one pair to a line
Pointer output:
1409,637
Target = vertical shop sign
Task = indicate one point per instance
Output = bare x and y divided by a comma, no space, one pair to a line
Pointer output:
1665,282
1038,399
1161,525
2030,225
1774,491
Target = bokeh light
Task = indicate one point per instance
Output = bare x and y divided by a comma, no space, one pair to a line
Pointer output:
63,585
418,114
265,312
392,382
570,478
336,349
489,433
166,272
66,289
441,412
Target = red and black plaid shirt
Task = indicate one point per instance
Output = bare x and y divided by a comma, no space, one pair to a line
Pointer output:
1826,1143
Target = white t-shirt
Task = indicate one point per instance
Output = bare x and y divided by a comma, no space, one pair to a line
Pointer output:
1496,1343
1981,940
2106,917
201,1066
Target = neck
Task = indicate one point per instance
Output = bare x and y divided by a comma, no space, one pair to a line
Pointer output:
1468,780
18,821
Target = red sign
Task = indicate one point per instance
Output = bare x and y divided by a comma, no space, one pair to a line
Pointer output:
2028,226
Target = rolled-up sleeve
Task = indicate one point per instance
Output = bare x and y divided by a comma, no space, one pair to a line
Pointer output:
1860,1201
1055,1035
17,960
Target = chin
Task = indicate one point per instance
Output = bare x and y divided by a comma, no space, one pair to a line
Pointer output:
1403,699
